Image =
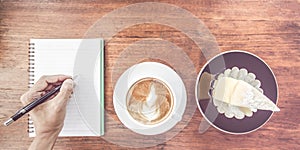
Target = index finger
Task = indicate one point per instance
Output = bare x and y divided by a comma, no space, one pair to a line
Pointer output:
44,81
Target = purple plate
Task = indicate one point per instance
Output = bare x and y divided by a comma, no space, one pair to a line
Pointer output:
264,74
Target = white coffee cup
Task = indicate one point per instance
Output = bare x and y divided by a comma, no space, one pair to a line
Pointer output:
150,70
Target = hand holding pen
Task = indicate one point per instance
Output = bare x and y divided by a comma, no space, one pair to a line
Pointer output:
55,90
48,117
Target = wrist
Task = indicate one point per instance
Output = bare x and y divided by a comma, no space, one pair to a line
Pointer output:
47,130
45,140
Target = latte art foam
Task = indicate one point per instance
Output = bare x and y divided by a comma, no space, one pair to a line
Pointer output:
149,101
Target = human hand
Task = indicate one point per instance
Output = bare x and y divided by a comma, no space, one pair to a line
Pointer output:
48,117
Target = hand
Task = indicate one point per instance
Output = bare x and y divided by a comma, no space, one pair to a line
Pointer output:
48,118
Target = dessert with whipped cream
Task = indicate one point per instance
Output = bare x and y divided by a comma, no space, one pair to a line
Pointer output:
149,101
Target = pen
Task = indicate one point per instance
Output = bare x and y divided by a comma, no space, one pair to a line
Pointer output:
31,105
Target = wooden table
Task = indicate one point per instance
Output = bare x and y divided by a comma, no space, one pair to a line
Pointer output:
269,29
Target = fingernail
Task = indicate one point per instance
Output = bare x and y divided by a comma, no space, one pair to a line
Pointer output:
75,80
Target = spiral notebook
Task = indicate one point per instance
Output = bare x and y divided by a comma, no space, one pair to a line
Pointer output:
57,56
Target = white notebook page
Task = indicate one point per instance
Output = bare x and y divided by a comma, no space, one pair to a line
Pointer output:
57,56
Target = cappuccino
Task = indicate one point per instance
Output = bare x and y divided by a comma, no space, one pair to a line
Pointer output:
149,101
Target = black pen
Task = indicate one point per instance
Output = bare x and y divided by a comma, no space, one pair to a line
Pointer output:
31,105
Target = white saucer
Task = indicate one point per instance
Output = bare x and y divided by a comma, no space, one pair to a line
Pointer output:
154,70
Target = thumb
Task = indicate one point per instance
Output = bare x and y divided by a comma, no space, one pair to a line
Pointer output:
64,94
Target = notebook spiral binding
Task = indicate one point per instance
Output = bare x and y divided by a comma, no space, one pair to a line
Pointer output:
31,59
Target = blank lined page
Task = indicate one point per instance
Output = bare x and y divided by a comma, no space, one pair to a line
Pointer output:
57,56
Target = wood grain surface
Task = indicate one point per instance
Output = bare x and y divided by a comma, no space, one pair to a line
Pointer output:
267,28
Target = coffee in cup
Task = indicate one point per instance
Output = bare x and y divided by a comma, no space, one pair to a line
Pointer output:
149,101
